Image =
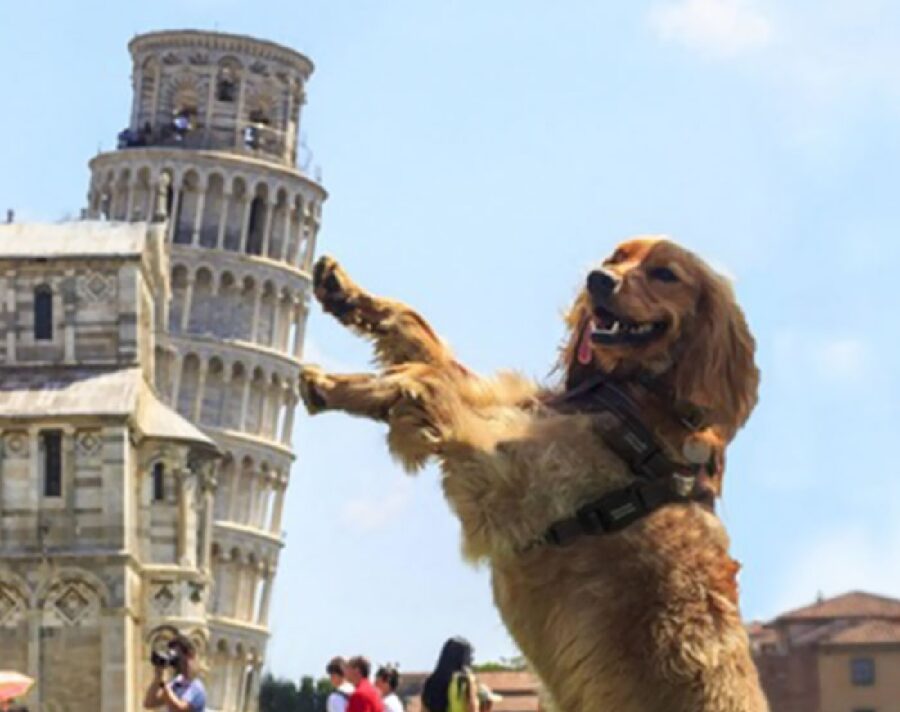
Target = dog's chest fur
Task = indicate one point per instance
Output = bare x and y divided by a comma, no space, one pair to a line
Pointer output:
626,621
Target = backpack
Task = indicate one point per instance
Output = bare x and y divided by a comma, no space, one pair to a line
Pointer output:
458,693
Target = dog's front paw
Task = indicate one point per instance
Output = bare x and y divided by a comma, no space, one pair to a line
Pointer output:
314,387
334,289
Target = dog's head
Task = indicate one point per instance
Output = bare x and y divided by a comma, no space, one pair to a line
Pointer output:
653,306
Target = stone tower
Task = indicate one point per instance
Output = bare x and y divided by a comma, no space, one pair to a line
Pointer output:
212,143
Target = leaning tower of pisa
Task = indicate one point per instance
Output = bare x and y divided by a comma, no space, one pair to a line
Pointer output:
214,129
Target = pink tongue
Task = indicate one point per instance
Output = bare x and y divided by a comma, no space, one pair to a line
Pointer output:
585,352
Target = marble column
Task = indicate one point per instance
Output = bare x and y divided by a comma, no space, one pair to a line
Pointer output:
223,220
200,205
186,307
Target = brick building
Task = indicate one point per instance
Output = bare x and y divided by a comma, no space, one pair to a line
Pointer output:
839,654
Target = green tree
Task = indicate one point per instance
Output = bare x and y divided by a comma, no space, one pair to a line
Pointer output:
280,695
277,695
312,695
503,665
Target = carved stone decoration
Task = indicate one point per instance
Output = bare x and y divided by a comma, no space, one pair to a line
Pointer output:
260,68
17,444
88,443
199,59
72,602
12,607
171,59
163,598
185,92
95,287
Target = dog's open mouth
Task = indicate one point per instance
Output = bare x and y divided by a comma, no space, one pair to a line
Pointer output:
608,328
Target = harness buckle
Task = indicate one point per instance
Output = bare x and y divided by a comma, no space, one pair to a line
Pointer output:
617,509
682,484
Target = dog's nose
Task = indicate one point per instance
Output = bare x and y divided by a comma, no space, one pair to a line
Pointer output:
601,284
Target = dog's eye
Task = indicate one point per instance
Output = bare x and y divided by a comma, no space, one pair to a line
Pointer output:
663,274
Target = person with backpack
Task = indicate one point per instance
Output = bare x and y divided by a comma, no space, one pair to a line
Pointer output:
340,695
452,687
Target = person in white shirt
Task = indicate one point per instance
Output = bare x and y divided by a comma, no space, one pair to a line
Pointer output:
337,700
386,680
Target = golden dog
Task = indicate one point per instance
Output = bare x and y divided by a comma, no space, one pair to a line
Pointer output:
641,620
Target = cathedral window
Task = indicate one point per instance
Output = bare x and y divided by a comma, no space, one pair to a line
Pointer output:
159,482
43,313
51,452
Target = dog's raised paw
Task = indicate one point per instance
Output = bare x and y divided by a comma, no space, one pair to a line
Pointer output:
313,387
334,289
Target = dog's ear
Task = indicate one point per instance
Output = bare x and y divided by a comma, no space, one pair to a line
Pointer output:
715,366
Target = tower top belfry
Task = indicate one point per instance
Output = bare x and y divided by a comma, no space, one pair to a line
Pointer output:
216,91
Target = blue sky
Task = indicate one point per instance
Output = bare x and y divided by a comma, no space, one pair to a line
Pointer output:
479,156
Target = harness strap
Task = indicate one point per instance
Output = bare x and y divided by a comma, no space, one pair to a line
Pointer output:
662,480
614,511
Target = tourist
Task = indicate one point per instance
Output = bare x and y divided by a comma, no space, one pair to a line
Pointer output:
337,700
185,692
365,697
452,686
386,680
487,698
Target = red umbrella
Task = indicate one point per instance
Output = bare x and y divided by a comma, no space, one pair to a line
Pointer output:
13,684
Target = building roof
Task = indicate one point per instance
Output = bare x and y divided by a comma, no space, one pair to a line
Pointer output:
31,394
760,633
854,604
81,238
871,632
518,688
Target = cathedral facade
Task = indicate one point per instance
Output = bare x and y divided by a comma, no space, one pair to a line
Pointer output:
149,356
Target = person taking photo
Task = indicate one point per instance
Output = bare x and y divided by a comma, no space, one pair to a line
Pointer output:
185,691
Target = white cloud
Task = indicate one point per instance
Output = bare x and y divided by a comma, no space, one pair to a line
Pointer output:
379,510
721,28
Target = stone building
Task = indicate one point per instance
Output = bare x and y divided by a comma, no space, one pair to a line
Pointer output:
206,173
106,494
839,654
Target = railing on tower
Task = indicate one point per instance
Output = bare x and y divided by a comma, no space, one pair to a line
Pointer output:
248,138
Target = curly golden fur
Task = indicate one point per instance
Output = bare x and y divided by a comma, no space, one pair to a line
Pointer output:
643,620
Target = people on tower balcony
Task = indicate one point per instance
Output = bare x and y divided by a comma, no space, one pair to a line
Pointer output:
182,124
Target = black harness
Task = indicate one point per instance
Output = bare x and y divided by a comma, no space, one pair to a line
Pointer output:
661,480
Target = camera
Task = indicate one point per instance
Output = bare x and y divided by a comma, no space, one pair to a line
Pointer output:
165,658
169,647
